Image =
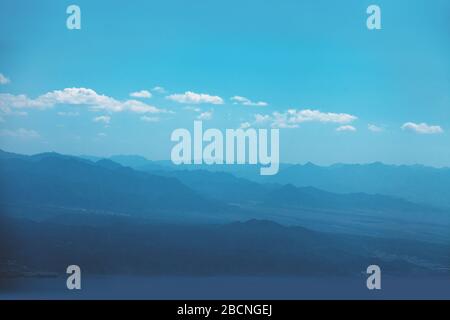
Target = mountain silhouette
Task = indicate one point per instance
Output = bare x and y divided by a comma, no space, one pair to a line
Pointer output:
291,196
415,183
69,182
54,185
244,248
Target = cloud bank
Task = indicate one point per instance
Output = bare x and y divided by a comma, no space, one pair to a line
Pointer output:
292,118
346,128
4,79
20,133
422,128
374,128
75,96
190,97
104,119
247,102
141,94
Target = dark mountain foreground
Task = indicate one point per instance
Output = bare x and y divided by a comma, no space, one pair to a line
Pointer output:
108,245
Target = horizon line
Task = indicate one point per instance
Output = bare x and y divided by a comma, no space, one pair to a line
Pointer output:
246,164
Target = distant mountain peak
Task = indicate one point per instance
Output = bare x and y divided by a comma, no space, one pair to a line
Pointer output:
130,160
109,164
309,164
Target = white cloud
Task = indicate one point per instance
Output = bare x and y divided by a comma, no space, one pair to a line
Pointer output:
5,110
8,101
346,128
299,116
141,94
68,114
195,98
245,125
76,96
259,118
104,119
140,107
159,89
247,102
4,79
207,115
283,121
194,109
102,134
20,133
422,128
149,119
292,118
374,128
80,96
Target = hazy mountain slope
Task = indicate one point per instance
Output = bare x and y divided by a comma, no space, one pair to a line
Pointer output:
69,182
251,248
50,184
310,197
357,213
220,185
414,183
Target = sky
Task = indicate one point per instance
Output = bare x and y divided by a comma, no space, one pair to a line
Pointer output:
137,70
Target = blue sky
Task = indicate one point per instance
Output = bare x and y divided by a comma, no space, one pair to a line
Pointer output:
354,95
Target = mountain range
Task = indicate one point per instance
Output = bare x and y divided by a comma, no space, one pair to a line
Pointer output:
256,247
416,183
69,183
51,184
130,215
